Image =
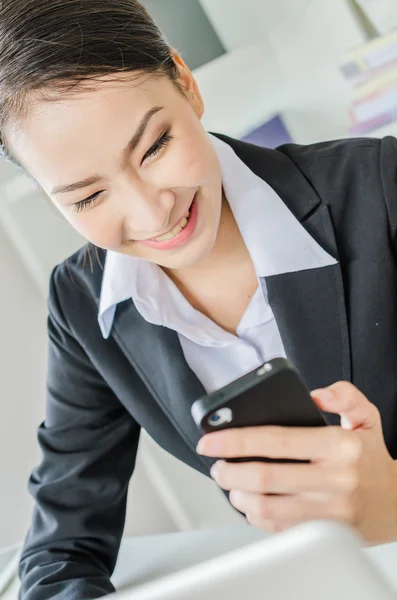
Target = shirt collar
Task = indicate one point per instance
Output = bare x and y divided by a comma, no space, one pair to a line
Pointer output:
156,298
275,239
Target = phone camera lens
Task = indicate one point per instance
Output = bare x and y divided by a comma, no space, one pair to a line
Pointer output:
219,417
266,368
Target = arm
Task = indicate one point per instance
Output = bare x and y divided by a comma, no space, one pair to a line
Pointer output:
89,444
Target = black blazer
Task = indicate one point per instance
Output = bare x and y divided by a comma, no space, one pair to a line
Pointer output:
337,322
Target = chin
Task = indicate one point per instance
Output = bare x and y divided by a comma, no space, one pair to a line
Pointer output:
182,262
185,260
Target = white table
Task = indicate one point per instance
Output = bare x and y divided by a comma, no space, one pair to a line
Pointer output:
145,559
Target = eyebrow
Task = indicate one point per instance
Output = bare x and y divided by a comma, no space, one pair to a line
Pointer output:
134,141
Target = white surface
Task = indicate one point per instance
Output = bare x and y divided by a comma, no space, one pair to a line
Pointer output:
306,88
292,69
239,23
144,560
390,129
41,236
313,560
22,381
241,89
382,13
193,500
9,560
162,555
311,94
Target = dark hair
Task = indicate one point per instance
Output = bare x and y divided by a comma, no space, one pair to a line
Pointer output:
50,47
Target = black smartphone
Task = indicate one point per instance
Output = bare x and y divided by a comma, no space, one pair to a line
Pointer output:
272,394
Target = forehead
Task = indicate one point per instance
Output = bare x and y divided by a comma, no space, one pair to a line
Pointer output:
70,133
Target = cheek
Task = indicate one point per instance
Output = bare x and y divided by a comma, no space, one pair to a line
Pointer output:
101,228
189,165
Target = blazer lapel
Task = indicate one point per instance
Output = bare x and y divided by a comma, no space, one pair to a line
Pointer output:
309,307
157,356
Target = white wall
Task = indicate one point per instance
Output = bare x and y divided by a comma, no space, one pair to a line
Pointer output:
23,343
330,25
22,375
284,58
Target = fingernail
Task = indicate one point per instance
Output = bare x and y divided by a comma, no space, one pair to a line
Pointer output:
200,447
235,498
325,394
214,470
209,447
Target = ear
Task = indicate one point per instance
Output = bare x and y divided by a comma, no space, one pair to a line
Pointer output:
189,85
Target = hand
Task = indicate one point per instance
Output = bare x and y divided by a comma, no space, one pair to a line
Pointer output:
351,476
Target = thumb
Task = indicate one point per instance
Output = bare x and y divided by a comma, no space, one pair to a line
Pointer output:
342,398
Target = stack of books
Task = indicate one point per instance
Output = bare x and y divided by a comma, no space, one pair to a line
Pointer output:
371,69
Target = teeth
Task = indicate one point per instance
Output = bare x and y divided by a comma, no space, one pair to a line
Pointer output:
165,237
177,229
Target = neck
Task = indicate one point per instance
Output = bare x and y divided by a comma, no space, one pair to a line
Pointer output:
221,285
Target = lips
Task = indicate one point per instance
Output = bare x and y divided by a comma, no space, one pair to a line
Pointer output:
174,231
177,228
174,241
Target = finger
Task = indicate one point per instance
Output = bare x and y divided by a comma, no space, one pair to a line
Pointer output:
299,443
265,525
272,526
262,478
289,509
345,399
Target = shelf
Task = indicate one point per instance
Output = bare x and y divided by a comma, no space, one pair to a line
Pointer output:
314,102
309,92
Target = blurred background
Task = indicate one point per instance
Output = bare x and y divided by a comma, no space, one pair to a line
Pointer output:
270,71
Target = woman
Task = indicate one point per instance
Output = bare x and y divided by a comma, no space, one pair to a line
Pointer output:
212,256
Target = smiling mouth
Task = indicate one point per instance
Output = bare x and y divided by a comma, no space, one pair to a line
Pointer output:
175,231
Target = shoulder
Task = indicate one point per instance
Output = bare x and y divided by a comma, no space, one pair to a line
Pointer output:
322,164
75,284
323,161
362,158
358,173
343,150
337,168
355,178
342,160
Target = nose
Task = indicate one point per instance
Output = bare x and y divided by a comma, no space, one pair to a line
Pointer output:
146,211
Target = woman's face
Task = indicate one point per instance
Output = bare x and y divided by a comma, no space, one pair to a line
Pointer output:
135,165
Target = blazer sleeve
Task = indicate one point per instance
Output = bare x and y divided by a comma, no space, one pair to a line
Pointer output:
388,172
89,444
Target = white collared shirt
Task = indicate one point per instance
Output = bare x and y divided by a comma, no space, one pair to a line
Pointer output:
277,244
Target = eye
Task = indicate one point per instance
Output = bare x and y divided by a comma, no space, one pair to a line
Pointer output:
79,206
157,146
